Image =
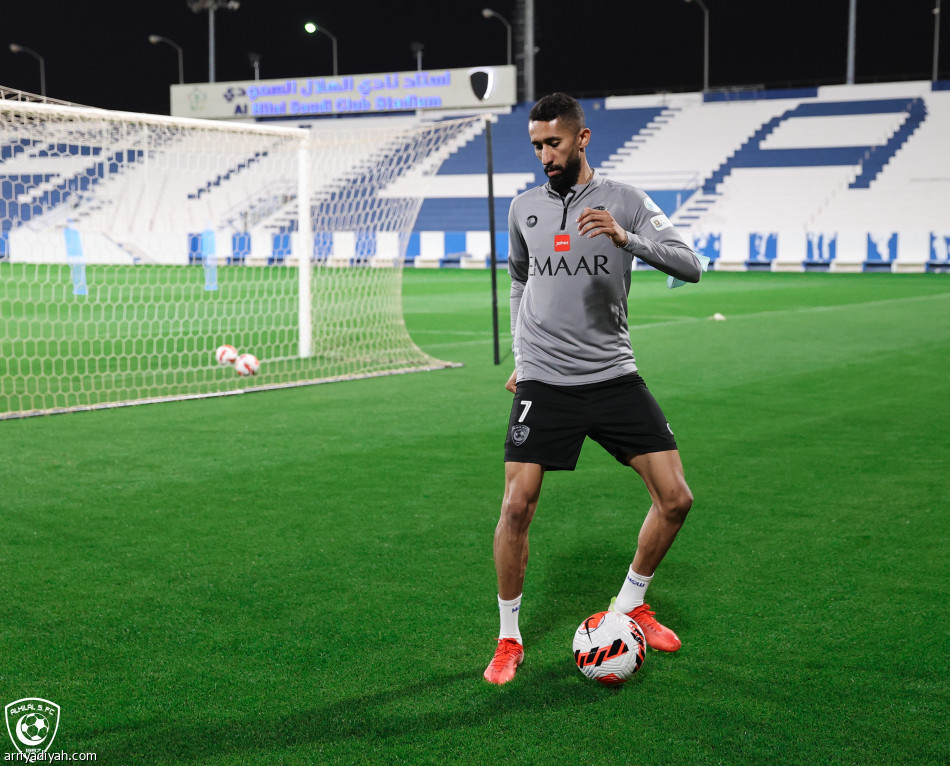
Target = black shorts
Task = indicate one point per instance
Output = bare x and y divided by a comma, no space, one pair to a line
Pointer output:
548,423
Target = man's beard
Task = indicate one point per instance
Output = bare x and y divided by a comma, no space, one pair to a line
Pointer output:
568,176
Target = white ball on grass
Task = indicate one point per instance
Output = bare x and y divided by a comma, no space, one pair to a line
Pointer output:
226,354
247,364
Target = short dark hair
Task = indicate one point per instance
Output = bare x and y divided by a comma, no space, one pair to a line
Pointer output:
559,106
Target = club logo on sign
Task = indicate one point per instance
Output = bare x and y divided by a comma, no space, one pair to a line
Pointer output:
481,81
562,243
32,723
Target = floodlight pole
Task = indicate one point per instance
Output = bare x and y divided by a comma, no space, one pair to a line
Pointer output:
528,72
852,33
211,56
705,10
311,29
336,69
211,6
417,49
14,48
936,13
155,39
488,13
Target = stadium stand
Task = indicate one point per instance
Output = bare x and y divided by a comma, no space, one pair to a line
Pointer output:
839,178
842,178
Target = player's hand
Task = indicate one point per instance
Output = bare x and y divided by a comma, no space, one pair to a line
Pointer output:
594,222
512,384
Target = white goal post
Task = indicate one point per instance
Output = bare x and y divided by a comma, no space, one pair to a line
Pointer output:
131,246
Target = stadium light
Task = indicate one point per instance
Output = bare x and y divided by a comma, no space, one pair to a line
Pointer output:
702,5
197,6
255,59
488,13
14,48
312,28
155,39
936,13
417,49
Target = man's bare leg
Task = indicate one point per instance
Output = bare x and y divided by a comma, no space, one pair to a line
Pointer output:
522,490
662,472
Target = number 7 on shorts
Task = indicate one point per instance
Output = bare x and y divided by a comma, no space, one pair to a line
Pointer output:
524,413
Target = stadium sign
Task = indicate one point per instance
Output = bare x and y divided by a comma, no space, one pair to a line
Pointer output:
345,95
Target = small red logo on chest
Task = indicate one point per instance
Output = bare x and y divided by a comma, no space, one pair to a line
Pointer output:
562,243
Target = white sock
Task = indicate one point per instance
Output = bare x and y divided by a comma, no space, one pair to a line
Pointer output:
633,592
508,611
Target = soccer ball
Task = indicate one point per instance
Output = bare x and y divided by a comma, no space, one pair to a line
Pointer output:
247,364
609,647
226,354
35,727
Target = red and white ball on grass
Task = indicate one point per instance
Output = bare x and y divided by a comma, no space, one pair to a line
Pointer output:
247,364
226,354
609,648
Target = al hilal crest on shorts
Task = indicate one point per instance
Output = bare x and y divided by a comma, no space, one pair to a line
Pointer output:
519,434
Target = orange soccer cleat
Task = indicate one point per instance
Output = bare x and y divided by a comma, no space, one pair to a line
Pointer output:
508,656
658,636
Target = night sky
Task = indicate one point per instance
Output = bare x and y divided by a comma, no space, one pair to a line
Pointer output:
98,54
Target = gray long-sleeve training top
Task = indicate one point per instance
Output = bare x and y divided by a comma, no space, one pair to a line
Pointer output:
569,292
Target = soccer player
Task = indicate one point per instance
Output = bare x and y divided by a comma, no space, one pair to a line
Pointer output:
572,246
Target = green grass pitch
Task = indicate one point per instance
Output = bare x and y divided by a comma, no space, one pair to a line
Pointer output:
305,576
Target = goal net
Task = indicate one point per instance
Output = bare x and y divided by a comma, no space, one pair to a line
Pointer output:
131,246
